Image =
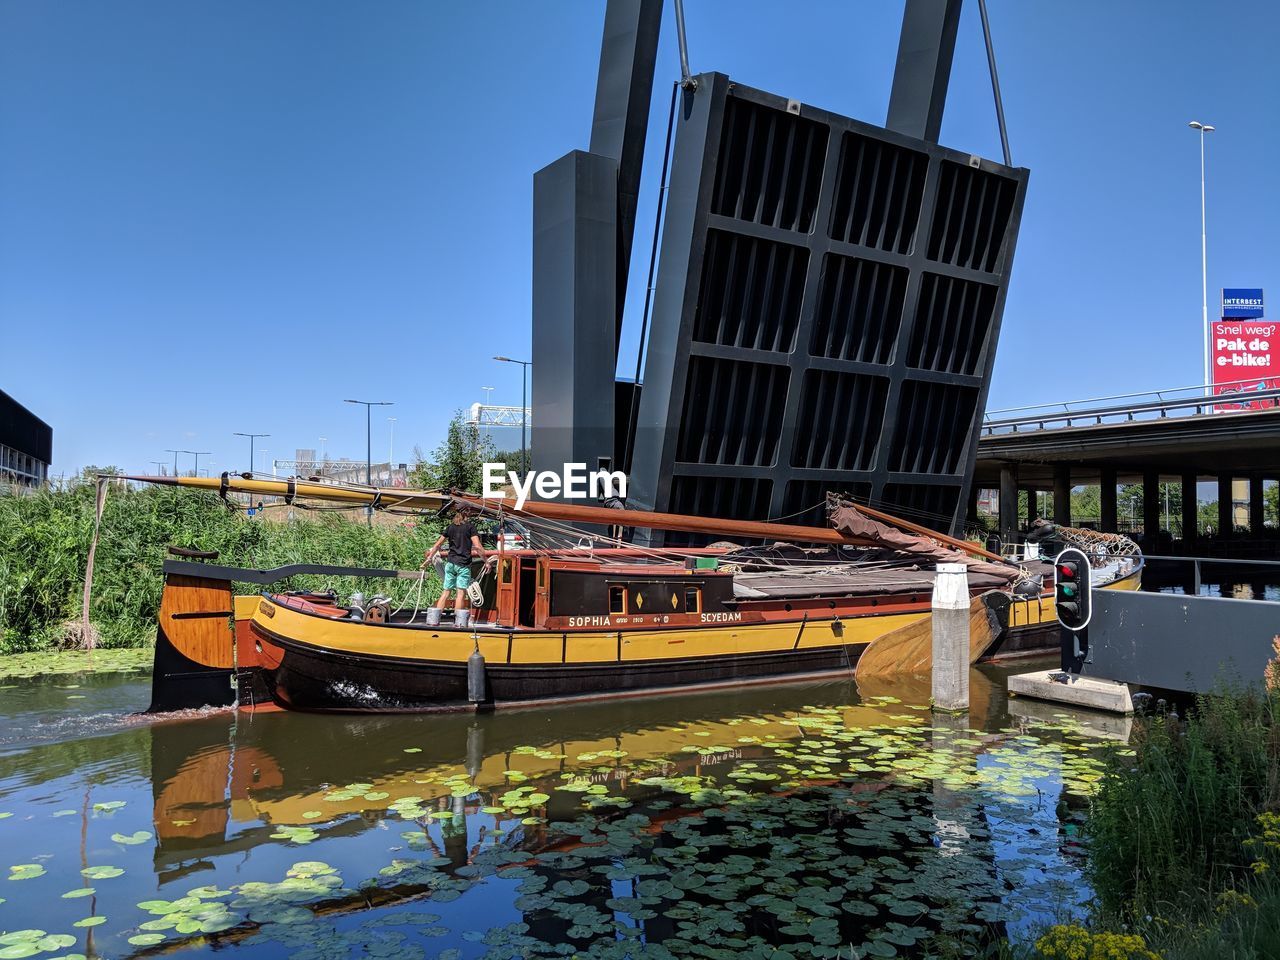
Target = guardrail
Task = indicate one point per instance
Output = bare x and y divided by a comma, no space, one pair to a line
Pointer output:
1074,412
1269,568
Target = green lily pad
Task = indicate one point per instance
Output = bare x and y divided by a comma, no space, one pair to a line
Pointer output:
26,871
107,806
18,951
90,922
147,939
21,936
101,873
79,892
56,941
140,836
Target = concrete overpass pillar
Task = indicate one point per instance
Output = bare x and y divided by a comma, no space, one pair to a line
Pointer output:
1255,506
1033,502
1107,490
1226,522
1008,502
1062,494
1190,509
1151,506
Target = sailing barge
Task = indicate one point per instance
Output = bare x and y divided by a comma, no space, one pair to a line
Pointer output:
578,615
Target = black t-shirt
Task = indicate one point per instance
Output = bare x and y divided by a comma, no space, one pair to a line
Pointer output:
459,537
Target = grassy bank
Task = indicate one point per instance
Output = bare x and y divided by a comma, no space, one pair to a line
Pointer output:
1184,840
44,545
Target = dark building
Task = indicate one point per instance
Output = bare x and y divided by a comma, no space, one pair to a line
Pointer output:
26,444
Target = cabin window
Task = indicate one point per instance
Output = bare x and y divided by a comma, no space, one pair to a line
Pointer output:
617,599
542,576
506,571
692,599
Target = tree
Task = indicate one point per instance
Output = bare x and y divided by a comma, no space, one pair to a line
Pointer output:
458,462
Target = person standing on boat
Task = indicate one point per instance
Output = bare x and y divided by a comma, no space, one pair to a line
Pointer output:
464,542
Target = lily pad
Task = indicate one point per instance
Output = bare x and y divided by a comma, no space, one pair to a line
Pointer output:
140,836
101,873
90,922
79,892
26,871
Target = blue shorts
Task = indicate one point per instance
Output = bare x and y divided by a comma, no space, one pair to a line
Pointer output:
457,576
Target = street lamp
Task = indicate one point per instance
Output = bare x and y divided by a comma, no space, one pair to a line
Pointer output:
159,465
198,454
524,408
251,436
1204,258
175,459
368,442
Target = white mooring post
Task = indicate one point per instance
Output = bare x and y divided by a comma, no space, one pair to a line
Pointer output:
951,638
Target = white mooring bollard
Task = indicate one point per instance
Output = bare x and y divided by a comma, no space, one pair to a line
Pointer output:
951,638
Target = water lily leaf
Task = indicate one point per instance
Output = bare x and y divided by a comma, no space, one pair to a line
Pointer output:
312,814
412,749
56,941
101,873
90,922
140,836
147,939
79,892
26,871
21,936
64,813
18,951
107,806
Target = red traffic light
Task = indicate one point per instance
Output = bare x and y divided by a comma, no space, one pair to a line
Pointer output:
1067,571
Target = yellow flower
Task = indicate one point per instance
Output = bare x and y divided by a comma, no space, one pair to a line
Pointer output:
1073,942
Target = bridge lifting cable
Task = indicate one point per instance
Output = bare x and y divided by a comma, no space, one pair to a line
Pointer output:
995,81
686,78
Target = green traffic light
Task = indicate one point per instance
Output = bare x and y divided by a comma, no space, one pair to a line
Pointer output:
1068,590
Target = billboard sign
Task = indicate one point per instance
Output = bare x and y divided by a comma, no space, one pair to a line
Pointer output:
1241,303
1246,359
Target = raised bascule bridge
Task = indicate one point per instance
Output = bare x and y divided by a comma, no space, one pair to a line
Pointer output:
826,292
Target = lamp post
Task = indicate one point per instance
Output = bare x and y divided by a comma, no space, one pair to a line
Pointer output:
198,454
524,408
368,443
158,464
175,459
1204,257
252,436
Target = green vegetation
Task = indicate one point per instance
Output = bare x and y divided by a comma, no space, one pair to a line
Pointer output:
458,462
44,545
1185,839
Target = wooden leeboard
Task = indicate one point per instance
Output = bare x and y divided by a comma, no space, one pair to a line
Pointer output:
909,649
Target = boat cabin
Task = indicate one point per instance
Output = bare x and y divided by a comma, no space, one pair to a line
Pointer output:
534,590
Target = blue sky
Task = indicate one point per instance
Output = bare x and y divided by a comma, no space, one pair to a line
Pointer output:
231,216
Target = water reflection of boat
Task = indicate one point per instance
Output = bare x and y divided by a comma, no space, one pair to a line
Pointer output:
222,783
577,616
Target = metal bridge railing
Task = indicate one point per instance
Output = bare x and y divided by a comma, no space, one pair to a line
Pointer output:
1088,412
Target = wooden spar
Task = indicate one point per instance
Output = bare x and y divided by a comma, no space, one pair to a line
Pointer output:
550,510
538,508
650,520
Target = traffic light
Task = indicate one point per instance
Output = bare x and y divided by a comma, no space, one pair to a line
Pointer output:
1071,594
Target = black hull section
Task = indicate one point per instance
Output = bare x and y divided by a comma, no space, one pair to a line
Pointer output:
179,683
312,679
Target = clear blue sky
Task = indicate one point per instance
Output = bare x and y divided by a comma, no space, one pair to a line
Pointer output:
222,216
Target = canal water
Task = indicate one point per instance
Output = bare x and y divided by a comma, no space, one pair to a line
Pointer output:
786,821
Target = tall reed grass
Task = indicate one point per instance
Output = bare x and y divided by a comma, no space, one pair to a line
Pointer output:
1170,822
44,544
